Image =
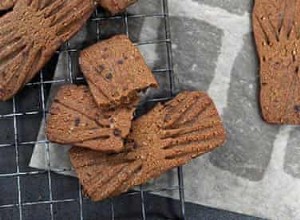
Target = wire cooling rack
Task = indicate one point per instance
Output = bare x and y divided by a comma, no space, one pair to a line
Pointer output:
27,193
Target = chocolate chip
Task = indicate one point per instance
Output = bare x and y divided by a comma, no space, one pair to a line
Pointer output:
77,122
101,68
104,56
105,49
108,76
112,120
134,146
297,108
116,93
277,65
120,62
167,118
117,132
106,116
130,144
129,141
126,58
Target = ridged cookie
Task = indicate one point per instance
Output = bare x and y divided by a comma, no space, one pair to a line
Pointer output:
76,120
30,35
116,6
276,29
115,71
170,135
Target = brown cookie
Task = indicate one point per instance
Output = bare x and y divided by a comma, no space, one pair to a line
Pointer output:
76,120
115,71
170,135
276,25
116,6
31,33
6,4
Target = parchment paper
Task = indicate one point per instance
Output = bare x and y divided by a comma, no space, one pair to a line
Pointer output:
258,171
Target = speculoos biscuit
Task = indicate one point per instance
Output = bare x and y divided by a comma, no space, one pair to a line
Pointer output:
275,26
75,119
115,71
170,135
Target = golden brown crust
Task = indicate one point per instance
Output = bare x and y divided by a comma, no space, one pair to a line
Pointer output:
76,120
31,33
115,71
170,135
276,24
115,6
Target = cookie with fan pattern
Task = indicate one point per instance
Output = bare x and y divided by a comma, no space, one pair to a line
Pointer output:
276,25
76,120
31,33
170,135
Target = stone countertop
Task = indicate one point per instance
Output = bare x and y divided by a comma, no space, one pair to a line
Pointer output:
258,171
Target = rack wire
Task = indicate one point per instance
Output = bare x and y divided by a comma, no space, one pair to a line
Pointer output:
13,202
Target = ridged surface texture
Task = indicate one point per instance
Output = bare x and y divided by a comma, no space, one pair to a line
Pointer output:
76,120
31,33
170,135
276,30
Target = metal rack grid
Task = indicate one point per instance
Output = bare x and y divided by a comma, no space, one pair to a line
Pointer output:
20,205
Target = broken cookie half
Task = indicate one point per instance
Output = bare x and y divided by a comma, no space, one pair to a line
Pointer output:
115,71
170,135
76,120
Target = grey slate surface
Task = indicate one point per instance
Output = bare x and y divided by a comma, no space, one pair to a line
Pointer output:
257,171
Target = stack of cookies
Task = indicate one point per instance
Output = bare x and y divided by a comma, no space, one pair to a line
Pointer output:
99,116
112,152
